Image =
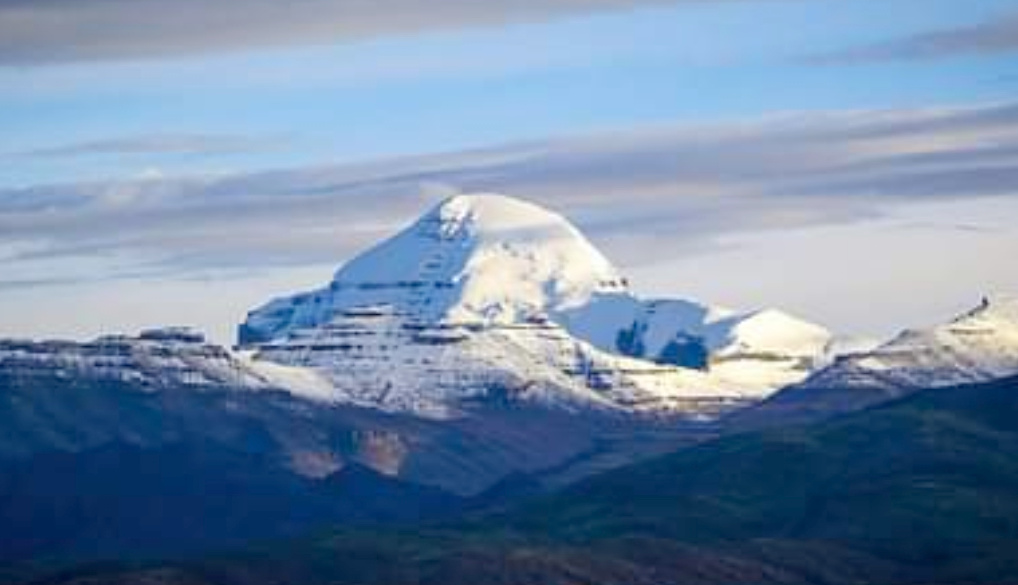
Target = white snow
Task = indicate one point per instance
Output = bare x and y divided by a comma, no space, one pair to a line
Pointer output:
768,332
377,361
492,299
487,297
756,352
472,259
303,382
979,345
161,358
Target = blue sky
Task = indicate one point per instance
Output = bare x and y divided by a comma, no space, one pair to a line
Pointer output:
454,89
115,105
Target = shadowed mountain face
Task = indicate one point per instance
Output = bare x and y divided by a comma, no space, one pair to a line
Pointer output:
922,490
121,501
95,468
42,413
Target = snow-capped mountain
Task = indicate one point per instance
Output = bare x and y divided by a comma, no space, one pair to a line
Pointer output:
756,351
168,386
977,346
491,298
155,359
472,260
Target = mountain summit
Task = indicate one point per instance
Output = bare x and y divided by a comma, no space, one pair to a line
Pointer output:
471,260
489,298
977,346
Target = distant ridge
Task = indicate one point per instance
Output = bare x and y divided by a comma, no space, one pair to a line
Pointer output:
979,345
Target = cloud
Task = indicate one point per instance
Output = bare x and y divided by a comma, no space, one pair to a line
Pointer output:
993,37
54,31
681,188
183,144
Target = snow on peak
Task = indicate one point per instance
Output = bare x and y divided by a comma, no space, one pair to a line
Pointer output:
497,259
490,216
756,352
471,259
489,292
978,345
769,331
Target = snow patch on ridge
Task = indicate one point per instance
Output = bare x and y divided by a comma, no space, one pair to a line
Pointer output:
977,346
159,358
756,352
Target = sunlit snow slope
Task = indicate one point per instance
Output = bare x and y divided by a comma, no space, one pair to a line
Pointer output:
980,345
156,359
489,298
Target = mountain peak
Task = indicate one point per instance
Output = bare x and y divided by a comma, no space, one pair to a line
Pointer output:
492,255
997,307
978,345
472,259
490,214
490,298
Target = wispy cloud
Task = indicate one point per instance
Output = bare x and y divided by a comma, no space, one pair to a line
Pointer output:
178,144
53,31
992,37
680,188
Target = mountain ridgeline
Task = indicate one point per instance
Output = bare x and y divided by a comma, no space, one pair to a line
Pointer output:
487,291
921,490
483,399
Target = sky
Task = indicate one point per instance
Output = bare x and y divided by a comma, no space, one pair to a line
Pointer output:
162,162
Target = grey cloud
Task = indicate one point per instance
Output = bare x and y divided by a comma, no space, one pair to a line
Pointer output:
186,144
681,189
62,281
996,36
53,31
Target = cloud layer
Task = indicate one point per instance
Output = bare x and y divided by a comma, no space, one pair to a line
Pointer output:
992,37
48,31
184,144
678,189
